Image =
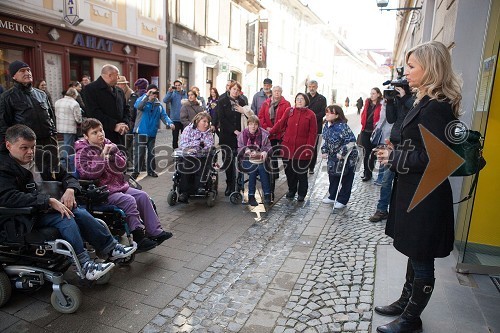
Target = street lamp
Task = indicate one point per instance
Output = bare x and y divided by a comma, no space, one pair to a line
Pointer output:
383,3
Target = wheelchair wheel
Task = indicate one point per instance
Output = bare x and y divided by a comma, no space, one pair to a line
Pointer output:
172,198
73,296
104,279
127,261
211,199
5,288
235,198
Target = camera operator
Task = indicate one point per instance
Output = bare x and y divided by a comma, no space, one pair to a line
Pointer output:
398,103
149,113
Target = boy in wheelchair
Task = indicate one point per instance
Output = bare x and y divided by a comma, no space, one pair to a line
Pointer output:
97,158
253,146
20,170
196,142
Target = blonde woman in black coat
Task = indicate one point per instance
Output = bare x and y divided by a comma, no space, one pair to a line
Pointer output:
425,231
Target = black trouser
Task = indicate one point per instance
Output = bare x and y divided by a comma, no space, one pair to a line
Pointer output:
228,159
315,156
296,176
368,158
175,134
193,173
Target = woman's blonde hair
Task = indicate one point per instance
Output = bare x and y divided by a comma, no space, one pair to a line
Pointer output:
199,116
253,119
439,81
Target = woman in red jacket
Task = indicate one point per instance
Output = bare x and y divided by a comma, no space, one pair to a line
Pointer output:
270,113
369,119
299,129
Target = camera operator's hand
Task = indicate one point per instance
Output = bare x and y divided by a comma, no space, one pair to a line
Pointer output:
171,88
401,91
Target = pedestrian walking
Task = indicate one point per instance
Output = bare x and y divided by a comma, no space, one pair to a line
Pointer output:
369,119
317,103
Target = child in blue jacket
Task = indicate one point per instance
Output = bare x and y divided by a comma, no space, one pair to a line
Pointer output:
149,113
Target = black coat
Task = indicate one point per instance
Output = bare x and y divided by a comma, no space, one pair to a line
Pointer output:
18,189
107,104
229,121
318,105
427,231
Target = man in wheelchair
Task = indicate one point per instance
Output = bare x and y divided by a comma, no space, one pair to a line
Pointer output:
20,170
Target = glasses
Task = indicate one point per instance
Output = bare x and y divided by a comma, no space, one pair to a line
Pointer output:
300,99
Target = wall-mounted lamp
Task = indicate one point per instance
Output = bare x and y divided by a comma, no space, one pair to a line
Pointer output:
383,3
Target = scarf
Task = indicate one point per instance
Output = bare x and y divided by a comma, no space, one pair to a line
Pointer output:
252,140
272,109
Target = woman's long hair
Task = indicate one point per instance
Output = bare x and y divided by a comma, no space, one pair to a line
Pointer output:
439,81
380,97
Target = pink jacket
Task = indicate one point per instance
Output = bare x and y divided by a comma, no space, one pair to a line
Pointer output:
91,166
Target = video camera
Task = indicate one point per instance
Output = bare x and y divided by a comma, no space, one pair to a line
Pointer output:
400,81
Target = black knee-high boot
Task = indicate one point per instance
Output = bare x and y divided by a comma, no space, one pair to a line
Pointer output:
409,321
397,308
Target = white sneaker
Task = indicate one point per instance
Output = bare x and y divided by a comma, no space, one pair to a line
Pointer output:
93,270
120,251
338,205
328,201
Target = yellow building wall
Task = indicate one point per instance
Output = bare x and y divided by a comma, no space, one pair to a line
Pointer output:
484,226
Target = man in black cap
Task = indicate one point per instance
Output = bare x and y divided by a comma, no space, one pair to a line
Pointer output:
24,104
260,97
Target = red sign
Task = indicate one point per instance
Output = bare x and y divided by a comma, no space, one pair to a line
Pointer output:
262,44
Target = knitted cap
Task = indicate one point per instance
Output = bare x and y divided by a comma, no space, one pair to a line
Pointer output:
141,83
268,81
15,66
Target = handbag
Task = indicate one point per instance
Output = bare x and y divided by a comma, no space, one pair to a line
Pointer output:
471,150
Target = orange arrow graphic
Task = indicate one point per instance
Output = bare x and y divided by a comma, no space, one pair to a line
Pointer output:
443,161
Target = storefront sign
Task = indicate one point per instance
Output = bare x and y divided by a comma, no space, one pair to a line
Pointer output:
71,12
9,25
92,42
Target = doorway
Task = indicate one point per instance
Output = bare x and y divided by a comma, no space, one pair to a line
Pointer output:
79,66
149,73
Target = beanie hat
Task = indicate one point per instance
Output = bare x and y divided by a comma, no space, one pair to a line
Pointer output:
15,66
152,86
268,81
141,83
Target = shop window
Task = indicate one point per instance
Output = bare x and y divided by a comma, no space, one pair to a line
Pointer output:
210,80
6,57
52,64
183,73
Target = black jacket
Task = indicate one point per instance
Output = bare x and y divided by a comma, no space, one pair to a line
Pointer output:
108,105
18,189
28,106
229,121
426,231
318,105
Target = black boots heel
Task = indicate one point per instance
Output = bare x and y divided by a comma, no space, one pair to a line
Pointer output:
397,308
409,321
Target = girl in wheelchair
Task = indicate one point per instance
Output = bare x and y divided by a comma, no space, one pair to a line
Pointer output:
196,143
97,158
253,146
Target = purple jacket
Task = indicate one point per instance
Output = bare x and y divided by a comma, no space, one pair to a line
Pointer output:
91,165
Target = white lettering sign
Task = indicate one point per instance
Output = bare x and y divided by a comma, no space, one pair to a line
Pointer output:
27,29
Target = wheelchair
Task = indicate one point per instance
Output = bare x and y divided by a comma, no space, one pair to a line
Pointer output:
30,257
236,197
208,188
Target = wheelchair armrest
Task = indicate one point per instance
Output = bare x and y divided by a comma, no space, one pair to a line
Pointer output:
85,183
17,211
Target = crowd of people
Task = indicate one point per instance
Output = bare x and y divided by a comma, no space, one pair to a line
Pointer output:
252,138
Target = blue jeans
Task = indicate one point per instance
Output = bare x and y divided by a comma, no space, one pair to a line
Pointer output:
66,150
423,268
253,170
385,190
141,143
381,172
82,226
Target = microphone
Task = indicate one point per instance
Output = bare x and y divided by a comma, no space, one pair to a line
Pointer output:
386,82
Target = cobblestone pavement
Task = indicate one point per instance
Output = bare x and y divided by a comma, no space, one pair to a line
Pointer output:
301,269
